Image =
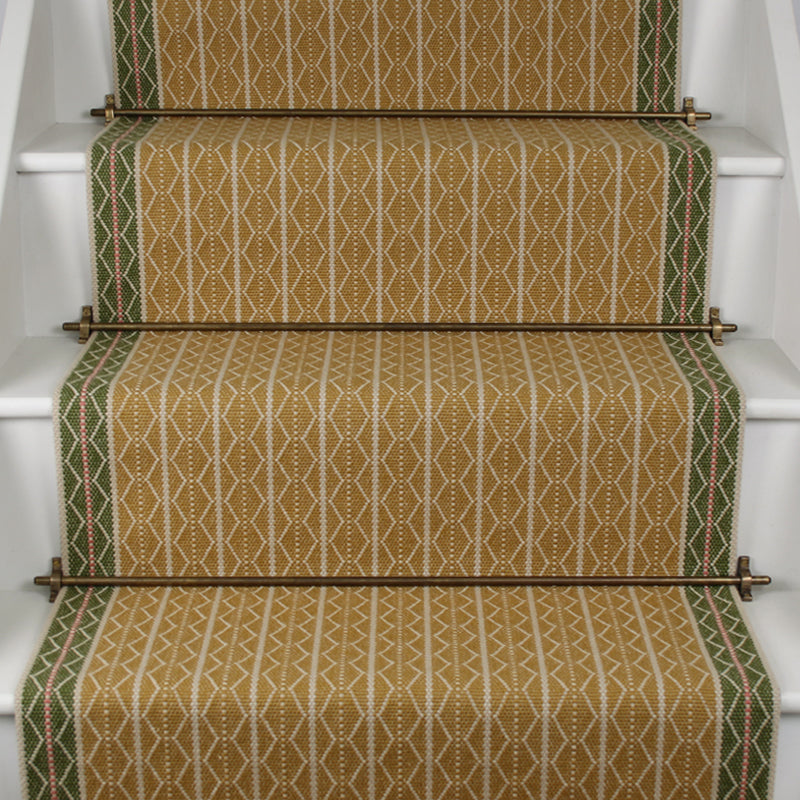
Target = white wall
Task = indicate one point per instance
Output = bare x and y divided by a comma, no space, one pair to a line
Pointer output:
2,13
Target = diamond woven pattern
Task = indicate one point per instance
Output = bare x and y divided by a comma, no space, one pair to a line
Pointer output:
398,453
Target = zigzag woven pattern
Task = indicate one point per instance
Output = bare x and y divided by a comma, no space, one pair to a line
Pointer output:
400,220
401,453
429,693
544,54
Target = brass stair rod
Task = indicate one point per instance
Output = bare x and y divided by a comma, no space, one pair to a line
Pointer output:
688,114
714,326
744,580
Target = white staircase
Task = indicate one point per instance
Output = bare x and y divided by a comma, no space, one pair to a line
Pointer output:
741,61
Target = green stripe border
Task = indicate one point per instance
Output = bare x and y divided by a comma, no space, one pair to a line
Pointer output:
116,235
721,603
662,41
684,348
126,57
690,238
75,534
31,695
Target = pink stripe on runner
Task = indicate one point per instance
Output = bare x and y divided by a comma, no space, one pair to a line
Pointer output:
136,67
712,480
84,438
748,694
48,697
112,166
657,64
712,475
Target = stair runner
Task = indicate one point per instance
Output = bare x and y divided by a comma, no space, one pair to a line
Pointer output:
368,453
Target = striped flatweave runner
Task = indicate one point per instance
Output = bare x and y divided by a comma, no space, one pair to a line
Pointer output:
398,453
612,55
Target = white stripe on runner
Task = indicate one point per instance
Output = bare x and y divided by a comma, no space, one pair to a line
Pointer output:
429,709
284,215
532,417
584,459
255,701
289,47
322,456
332,219
188,207
600,781
637,446
487,697
544,678
195,715
373,638
428,455
269,416
312,697
378,219
661,716
245,45
522,253
480,420
376,451
201,51
164,416
216,418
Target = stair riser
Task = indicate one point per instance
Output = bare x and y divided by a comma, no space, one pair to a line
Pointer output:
56,250
714,39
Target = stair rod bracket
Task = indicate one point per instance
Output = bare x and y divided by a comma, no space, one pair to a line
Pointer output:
688,114
714,327
744,580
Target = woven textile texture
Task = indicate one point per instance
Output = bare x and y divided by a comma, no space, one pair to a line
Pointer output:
429,693
400,220
521,54
398,453
402,453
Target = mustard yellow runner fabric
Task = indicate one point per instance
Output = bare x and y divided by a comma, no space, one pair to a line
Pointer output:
398,453
431,693
563,54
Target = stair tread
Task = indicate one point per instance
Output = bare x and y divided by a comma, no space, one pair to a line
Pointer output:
29,377
62,148
399,219
773,614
